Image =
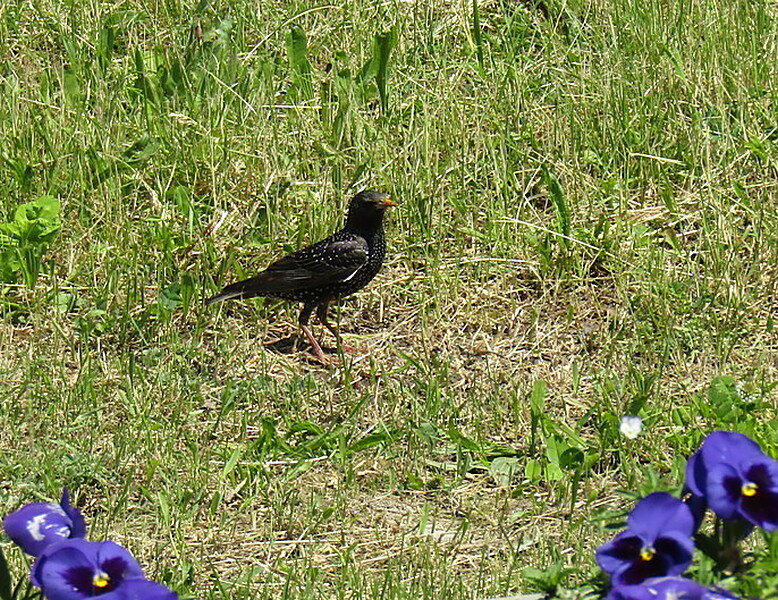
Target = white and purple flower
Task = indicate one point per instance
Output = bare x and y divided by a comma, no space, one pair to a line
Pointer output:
668,588
36,526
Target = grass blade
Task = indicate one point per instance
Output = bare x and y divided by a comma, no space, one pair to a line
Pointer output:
384,43
479,42
297,48
560,204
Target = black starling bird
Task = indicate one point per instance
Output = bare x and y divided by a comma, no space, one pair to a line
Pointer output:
328,270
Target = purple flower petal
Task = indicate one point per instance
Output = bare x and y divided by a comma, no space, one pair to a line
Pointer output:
660,512
718,447
672,556
761,508
736,478
668,588
695,474
78,524
630,592
677,550
728,447
724,490
142,589
40,524
117,560
623,548
55,575
36,525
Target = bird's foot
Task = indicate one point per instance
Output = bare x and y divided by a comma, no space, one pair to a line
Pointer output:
354,349
317,351
332,361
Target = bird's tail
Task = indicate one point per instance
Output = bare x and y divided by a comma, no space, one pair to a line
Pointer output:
222,296
240,289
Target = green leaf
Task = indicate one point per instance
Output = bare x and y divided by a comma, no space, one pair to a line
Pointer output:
9,265
571,459
187,290
105,46
370,440
384,43
554,472
504,468
24,240
231,463
140,151
461,440
555,446
297,48
549,579
538,396
298,469
170,297
560,204
35,222
723,391
533,471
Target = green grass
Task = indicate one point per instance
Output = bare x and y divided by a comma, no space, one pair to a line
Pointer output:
589,198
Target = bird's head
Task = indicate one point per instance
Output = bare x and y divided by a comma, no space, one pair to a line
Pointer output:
371,200
367,208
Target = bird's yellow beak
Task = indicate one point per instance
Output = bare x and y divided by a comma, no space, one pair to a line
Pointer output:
386,203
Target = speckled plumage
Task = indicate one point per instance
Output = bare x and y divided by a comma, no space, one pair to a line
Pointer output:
333,268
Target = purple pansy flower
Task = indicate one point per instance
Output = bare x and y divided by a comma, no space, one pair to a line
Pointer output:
668,588
40,524
657,541
75,569
737,479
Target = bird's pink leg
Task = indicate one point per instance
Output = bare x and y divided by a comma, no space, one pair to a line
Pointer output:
305,314
316,348
321,312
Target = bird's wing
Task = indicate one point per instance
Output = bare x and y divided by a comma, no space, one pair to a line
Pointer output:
324,263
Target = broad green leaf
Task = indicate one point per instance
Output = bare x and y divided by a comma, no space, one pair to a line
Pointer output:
560,204
34,222
384,42
297,48
461,440
504,468
533,471
370,440
232,461
723,390
170,297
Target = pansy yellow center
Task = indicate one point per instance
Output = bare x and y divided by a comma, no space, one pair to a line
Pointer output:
647,553
101,580
749,489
